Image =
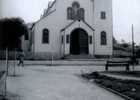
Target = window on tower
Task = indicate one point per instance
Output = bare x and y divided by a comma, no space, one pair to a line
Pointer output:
103,15
81,14
70,13
75,5
75,12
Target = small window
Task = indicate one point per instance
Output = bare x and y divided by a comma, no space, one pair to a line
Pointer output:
103,15
68,39
45,37
103,38
90,39
62,39
26,37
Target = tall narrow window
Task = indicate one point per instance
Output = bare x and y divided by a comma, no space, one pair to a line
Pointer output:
81,14
75,7
26,36
103,15
62,39
70,13
45,36
103,38
90,39
67,38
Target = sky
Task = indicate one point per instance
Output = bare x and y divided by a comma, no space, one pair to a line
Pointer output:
125,13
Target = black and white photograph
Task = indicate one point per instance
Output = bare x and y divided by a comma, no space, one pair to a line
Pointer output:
69,49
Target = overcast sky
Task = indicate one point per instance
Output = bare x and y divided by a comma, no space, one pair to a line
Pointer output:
125,13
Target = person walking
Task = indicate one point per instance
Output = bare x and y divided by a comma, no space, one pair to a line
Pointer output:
21,58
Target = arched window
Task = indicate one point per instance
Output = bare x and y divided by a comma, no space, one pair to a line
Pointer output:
103,38
70,13
75,12
81,14
75,5
45,36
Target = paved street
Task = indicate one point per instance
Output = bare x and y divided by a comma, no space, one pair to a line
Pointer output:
56,83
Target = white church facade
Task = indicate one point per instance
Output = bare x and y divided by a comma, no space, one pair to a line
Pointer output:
74,27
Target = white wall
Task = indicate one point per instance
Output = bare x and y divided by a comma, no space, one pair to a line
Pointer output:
103,25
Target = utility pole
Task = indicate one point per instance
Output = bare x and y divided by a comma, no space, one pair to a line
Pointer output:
133,48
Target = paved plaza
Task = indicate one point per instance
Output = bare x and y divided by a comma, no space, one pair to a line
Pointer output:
40,82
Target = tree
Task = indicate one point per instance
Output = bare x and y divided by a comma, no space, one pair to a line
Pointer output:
11,30
115,41
125,45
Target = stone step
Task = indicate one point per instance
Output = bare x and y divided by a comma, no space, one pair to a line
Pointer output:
66,62
79,57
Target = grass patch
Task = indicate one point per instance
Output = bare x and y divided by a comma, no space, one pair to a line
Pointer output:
130,88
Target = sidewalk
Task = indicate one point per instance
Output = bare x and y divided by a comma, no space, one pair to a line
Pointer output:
60,62
122,76
55,83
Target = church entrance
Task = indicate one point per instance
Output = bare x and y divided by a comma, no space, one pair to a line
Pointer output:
79,42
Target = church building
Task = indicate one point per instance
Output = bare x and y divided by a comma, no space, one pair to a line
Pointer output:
74,27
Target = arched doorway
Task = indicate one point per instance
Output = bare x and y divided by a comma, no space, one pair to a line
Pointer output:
79,42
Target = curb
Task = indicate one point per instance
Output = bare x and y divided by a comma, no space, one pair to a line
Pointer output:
66,64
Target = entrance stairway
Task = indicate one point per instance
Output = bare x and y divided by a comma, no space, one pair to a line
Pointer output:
79,57
70,60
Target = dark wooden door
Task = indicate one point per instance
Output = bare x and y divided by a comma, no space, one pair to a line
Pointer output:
79,42
83,43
